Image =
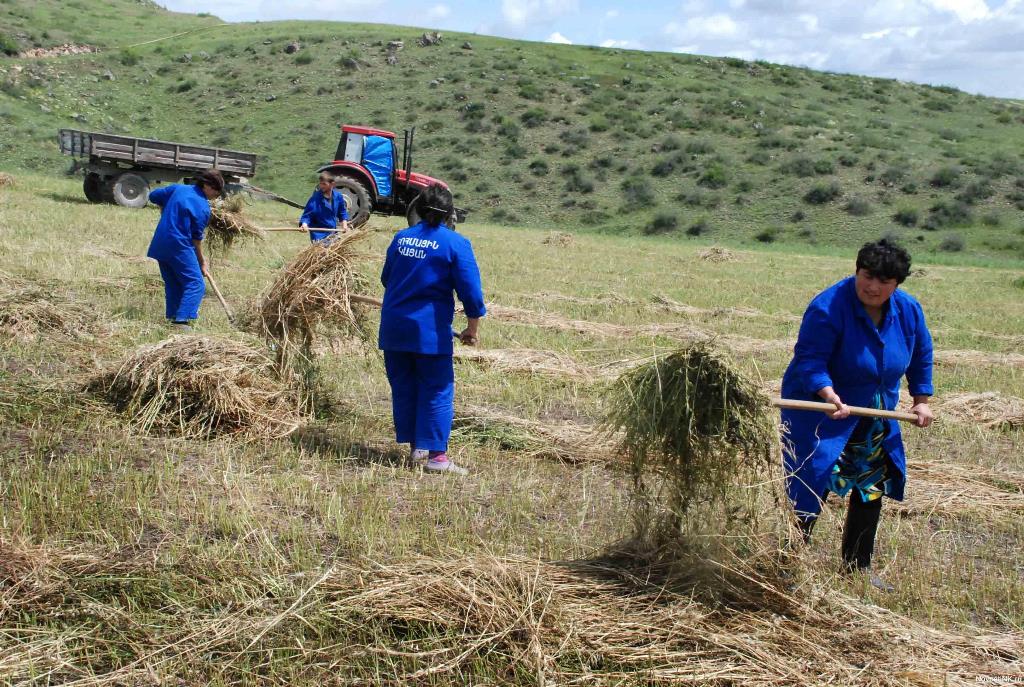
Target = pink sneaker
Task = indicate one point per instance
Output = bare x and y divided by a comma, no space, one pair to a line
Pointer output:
440,463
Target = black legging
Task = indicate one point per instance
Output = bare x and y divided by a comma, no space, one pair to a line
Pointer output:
858,532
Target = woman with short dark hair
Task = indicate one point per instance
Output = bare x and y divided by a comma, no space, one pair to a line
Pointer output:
324,210
425,265
858,339
177,243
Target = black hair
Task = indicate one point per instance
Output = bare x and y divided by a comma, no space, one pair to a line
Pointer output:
884,259
211,178
435,205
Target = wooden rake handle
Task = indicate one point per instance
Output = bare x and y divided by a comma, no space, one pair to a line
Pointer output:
369,300
220,297
792,404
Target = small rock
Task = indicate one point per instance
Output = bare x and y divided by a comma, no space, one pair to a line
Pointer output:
350,63
292,47
109,75
271,98
435,83
467,46
392,59
44,108
430,38
395,46
267,42
203,55
187,57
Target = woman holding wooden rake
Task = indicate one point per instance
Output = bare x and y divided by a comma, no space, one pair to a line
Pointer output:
324,210
858,339
424,266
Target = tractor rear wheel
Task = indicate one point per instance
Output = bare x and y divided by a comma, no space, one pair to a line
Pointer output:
93,187
357,200
131,190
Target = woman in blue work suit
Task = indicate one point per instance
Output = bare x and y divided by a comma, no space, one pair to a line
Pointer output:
323,210
858,339
177,243
424,265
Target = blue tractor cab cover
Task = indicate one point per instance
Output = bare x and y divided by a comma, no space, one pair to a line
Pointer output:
378,157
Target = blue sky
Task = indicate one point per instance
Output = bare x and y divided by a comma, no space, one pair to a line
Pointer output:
976,45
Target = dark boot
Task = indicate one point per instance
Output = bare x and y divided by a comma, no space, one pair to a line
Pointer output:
859,532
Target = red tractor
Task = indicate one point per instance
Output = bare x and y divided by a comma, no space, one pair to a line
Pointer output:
368,175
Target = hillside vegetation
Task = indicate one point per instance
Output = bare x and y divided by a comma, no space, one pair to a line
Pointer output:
537,134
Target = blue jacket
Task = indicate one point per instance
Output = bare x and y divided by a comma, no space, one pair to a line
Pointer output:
323,214
184,214
423,266
839,346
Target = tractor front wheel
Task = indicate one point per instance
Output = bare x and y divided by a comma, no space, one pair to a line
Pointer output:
357,200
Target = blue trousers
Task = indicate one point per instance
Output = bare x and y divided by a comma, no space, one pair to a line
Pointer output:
184,286
422,398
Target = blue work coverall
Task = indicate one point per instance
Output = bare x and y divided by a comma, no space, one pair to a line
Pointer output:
184,214
424,266
322,213
840,346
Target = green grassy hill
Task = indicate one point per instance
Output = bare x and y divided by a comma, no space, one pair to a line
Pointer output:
566,137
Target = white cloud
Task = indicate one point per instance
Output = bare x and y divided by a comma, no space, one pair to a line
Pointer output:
438,12
558,38
713,25
520,13
611,14
809,21
612,43
875,35
965,10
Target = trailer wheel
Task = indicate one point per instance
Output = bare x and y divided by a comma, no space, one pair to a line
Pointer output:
131,190
357,200
93,187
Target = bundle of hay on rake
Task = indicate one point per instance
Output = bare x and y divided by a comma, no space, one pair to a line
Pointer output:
319,287
698,436
228,224
28,310
199,387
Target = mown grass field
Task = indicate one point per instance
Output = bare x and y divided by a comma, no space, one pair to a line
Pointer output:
145,559
549,136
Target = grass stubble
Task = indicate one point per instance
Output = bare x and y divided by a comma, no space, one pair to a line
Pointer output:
131,558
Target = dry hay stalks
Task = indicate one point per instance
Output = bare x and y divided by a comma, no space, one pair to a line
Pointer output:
989,409
567,441
199,387
6,180
526,361
28,311
703,446
462,620
717,254
227,224
311,291
952,489
559,238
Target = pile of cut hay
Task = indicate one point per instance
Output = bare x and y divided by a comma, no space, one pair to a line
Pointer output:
989,409
314,290
199,387
699,436
558,238
227,223
717,254
27,310
6,179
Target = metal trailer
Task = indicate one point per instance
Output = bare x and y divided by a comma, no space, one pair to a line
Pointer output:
121,169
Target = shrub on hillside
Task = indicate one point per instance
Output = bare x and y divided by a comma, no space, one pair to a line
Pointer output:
893,175
767,235
822,193
798,166
304,57
1001,164
662,223
946,177
534,117
698,199
798,216
666,165
906,216
699,228
759,157
539,167
947,213
858,207
128,57
575,180
8,46
824,166
670,143
699,148
976,191
637,191
714,176
577,138
991,219
848,160
953,243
